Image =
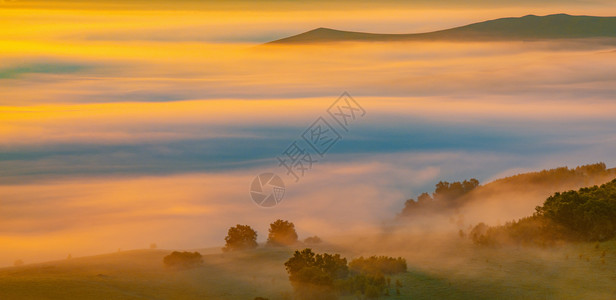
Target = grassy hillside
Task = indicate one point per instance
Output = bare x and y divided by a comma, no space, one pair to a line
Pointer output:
457,270
529,27
140,274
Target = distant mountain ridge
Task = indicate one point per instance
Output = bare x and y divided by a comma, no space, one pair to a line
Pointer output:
530,27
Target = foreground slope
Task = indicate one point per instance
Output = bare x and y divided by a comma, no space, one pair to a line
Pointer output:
452,269
140,274
529,27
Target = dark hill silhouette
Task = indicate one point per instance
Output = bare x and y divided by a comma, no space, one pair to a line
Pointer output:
530,27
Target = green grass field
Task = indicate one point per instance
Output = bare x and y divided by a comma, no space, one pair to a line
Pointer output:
461,271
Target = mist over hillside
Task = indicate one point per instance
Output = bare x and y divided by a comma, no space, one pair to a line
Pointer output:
157,149
499,201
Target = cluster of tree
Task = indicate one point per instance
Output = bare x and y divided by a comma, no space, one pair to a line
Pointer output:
588,214
183,259
564,177
529,231
325,276
243,237
446,195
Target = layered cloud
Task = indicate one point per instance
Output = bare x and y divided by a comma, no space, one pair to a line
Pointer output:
123,124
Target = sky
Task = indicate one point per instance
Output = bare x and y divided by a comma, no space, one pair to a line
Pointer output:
135,122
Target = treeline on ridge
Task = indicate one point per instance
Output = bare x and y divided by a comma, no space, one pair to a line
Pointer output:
588,214
447,196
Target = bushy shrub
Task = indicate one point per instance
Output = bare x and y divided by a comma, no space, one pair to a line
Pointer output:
324,276
183,259
313,276
313,240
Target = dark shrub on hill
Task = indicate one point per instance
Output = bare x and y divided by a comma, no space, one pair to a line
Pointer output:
324,276
313,240
313,276
322,269
183,259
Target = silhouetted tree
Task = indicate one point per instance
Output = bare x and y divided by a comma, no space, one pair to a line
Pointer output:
281,233
18,263
240,237
478,233
424,198
445,196
449,192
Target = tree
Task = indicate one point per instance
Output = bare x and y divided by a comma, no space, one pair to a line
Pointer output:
446,191
478,233
282,233
240,237
445,196
183,259
424,198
